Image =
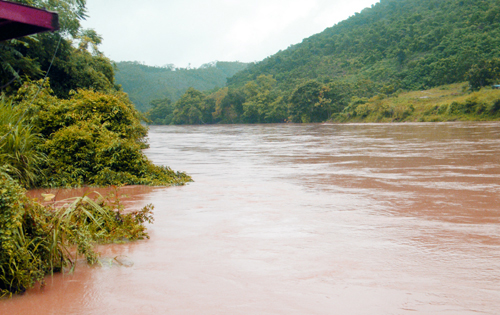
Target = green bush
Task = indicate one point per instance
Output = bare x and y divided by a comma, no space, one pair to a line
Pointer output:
92,138
486,72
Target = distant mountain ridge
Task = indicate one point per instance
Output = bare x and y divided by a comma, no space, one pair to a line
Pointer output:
146,83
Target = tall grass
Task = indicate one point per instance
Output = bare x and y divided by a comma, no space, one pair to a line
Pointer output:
19,146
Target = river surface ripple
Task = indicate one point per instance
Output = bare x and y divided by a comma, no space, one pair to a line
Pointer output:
305,219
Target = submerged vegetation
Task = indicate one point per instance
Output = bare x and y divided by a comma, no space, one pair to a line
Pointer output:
37,240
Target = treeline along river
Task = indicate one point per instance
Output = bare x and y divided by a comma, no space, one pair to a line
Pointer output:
305,219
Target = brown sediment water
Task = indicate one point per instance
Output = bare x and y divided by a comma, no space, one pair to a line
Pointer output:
304,219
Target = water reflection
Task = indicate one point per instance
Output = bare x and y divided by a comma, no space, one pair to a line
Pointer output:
306,219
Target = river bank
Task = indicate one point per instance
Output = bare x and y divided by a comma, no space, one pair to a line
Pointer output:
453,102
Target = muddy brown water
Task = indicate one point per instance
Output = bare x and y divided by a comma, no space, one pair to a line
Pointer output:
304,219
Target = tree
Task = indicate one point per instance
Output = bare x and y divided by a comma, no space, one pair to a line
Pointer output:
340,94
232,105
309,104
189,109
486,72
161,112
263,103
220,111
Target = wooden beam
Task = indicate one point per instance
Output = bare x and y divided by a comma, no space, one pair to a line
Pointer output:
17,20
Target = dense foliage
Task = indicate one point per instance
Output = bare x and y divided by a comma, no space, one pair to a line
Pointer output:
92,138
145,84
71,128
394,45
260,101
80,130
486,72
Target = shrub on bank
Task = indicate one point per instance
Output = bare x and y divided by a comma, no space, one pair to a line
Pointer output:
93,138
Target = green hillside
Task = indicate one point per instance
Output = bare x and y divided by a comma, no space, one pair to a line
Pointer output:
145,83
411,44
394,46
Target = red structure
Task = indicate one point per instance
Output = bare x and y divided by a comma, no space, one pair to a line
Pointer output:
17,20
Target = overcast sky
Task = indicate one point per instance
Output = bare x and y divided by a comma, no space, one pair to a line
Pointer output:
195,32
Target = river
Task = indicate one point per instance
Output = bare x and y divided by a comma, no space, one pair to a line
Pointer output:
305,219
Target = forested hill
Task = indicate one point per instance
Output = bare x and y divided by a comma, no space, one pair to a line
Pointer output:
346,71
145,83
412,44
